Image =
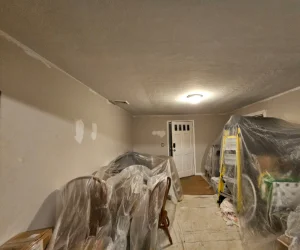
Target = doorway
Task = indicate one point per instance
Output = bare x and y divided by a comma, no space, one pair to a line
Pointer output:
181,145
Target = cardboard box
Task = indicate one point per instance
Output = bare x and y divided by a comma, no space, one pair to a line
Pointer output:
268,163
31,240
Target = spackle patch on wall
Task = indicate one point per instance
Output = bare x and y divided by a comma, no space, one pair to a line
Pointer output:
94,131
79,131
161,134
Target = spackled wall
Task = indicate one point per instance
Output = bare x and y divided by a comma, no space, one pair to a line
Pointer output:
150,134
53,128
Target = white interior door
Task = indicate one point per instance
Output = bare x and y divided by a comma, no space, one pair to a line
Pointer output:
183,147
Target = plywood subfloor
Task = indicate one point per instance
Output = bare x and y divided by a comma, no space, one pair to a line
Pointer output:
196,185
198,225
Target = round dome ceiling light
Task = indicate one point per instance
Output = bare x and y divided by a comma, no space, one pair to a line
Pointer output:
194,98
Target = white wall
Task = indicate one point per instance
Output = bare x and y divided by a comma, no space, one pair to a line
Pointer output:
285,106
207,129
39,154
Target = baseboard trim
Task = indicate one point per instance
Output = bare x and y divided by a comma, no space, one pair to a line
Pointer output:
201,174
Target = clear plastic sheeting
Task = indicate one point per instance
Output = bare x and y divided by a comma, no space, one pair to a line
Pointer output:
293,223
295,244
112,209
214,181
261,163
293,229
85,215
138,197
157,165
212,164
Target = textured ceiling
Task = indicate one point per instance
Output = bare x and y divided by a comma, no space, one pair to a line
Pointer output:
153,52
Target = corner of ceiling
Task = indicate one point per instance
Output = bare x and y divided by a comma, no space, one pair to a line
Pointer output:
35,55
266,99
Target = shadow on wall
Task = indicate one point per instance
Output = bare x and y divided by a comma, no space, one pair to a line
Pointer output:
47,213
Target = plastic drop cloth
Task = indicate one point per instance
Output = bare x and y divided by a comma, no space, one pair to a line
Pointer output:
157,165
85,214
120,211
293,228
138,197
270,171
212,164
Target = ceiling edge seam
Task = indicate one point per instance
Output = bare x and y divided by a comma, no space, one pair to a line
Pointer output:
30,52
220,114
267,99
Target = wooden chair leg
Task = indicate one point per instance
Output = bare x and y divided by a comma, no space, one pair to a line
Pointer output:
166,230
164,221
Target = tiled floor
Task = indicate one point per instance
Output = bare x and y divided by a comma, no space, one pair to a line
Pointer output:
198,225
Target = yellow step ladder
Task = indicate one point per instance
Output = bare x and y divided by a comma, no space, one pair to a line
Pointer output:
233,143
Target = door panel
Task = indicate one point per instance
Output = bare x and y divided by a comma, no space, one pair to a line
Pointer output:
178,161
186,140
183,147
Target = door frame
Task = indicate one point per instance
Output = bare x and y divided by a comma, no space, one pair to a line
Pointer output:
193,136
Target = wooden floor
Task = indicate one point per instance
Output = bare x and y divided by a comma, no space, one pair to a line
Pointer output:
196,185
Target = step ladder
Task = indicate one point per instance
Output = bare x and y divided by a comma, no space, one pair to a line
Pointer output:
231,143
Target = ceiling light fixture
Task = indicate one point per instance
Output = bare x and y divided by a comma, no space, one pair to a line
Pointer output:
194,98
